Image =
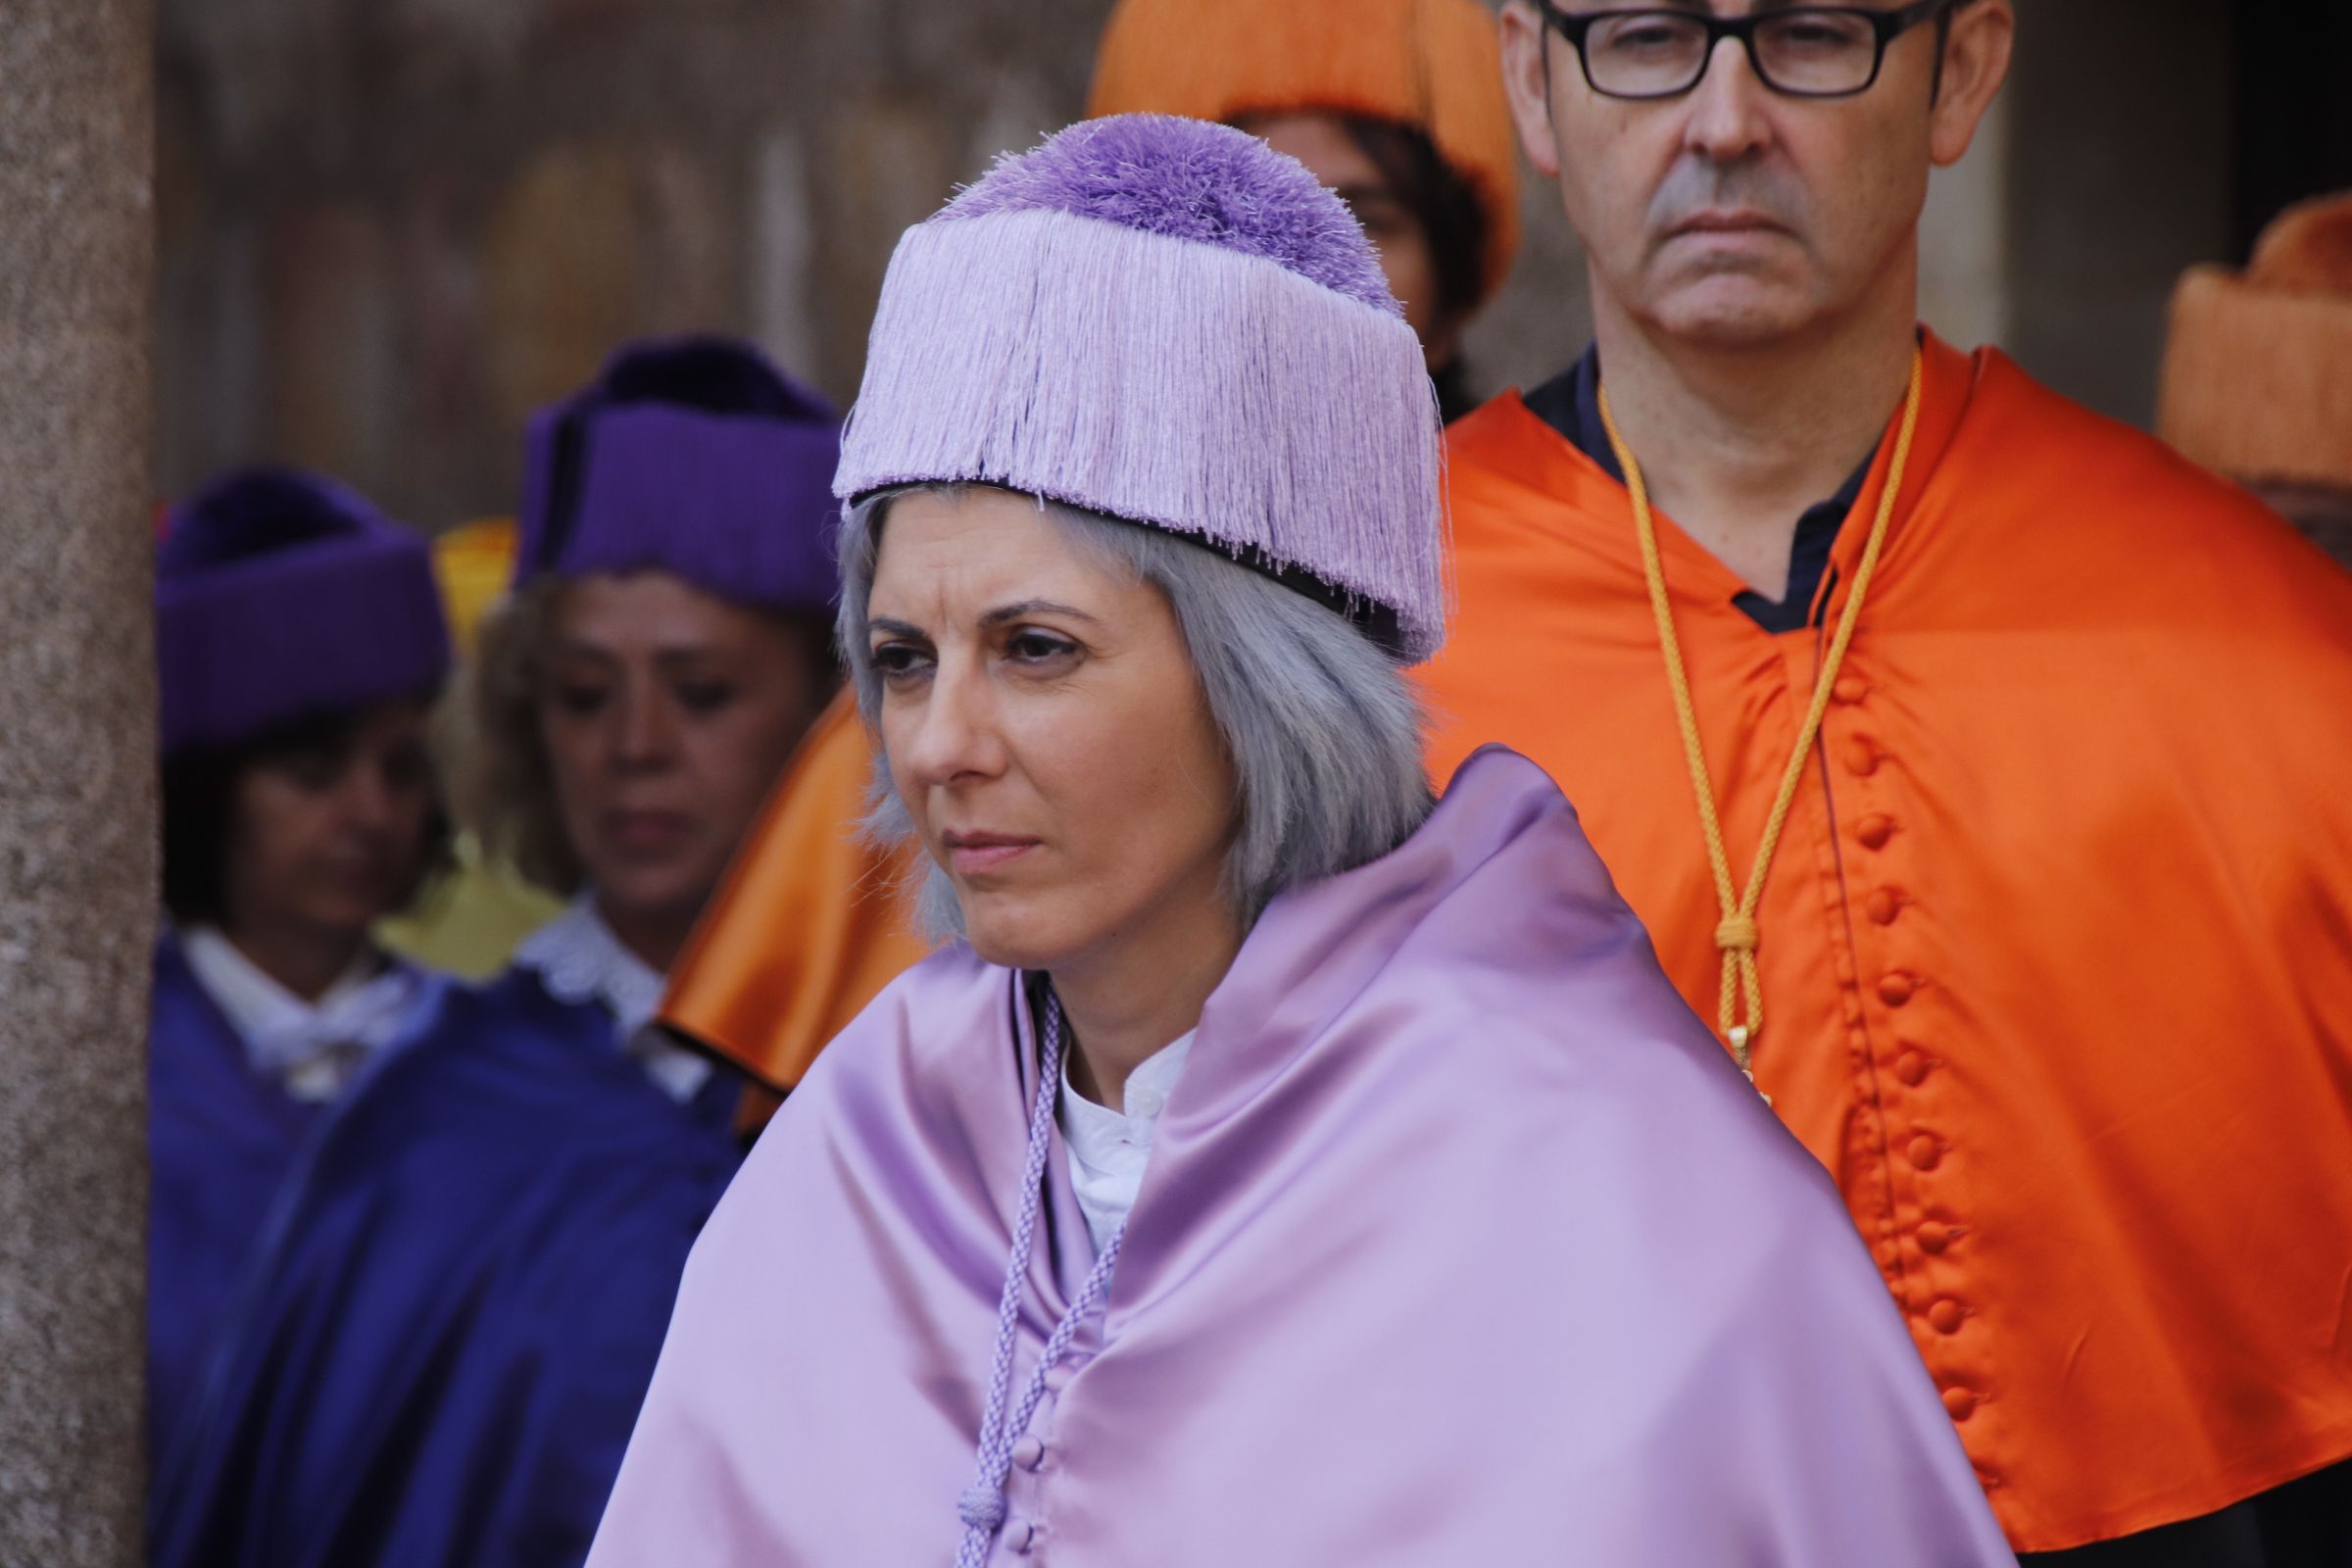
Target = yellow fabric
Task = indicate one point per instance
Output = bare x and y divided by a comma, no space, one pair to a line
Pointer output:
473,562
1431,64
1736,935
472,921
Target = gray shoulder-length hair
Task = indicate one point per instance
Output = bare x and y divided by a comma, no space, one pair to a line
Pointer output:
1323,730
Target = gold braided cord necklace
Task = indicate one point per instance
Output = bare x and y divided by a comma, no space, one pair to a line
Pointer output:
1739,1009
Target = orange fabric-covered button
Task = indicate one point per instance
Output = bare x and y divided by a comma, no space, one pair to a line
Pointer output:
1912,1067
1936,1238
1947,1316
1850,689
1959,1403
1885,905
1874,830
1896,989
1926,1153
1861,757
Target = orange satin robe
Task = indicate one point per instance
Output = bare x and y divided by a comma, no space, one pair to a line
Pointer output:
806,928
2057,953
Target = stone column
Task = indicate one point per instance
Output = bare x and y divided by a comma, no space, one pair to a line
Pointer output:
78,856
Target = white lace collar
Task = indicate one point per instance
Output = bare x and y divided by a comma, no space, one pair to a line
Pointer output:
310,1049
580,960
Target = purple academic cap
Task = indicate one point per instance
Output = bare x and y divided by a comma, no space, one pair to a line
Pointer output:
693,455
279,595
1168,321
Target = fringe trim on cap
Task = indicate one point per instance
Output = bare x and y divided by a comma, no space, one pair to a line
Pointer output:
2258,382
1168,382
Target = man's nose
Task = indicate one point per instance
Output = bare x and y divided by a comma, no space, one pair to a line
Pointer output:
1729,116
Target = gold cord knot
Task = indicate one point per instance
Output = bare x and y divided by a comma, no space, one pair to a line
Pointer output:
1736,934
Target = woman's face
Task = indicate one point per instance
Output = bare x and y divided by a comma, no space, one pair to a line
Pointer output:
328,836
1047,732
1321,143
668,713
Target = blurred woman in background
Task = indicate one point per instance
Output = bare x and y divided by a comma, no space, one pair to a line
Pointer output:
1396,105
299,644
454,1329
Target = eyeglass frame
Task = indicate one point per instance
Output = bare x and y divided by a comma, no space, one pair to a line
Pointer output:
1887,25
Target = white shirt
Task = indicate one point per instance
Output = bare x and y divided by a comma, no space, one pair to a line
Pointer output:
580,960
311,1049
1108,1149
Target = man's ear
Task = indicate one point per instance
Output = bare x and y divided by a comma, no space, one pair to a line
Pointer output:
1526,80
1976,62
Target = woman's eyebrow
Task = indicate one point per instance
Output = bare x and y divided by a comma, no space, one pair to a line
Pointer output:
894,628
1003,614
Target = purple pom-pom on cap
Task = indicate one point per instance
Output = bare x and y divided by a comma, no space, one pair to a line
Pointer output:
1189,180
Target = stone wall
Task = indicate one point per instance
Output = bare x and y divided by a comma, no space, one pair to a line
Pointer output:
77,858
391,227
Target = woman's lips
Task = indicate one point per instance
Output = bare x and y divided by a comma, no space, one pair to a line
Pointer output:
977,853
645,832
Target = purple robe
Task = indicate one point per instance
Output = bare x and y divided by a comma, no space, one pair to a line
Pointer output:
1462,1241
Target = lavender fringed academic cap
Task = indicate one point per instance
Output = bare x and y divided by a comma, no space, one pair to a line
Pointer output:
1168,321
279,595
695,455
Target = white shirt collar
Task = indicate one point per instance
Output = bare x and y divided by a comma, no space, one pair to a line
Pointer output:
580,960
311,1048
1108,1149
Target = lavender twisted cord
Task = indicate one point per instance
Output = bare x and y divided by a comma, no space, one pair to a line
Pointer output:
981,1507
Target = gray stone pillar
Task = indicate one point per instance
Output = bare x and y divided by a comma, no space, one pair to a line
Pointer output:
77,858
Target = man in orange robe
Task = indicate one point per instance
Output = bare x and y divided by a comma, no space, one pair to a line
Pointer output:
2051,963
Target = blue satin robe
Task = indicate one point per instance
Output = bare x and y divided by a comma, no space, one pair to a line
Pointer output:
220,1140
461,1305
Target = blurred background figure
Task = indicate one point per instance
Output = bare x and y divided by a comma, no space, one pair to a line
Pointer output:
2258,371
1396,105
470,921
300,642
461,1303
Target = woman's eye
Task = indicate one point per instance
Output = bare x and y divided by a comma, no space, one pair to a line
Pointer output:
580,701
315,772
1039,648
705,697
898,661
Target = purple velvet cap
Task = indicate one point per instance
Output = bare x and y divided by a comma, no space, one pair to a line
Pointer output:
280,595
693,455
1167,320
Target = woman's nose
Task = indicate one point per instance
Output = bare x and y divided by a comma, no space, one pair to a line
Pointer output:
644,730
954,735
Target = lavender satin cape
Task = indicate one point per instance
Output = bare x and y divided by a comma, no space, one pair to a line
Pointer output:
1462,1243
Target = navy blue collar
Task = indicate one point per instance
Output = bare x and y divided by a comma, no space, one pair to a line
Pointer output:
1570,402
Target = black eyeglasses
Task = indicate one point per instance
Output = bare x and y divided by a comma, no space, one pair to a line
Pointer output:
1802,51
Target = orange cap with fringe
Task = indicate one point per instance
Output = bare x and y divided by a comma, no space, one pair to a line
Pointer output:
2258,365
1435,65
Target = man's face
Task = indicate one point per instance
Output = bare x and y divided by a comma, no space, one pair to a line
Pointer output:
1736,217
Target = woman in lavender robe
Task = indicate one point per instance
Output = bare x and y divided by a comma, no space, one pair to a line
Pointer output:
1281,1169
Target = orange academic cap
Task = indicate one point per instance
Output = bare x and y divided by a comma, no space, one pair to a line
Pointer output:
1430,63
2258,367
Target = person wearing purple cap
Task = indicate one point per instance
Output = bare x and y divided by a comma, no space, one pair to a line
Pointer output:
299,641
459,1310
1282,1169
